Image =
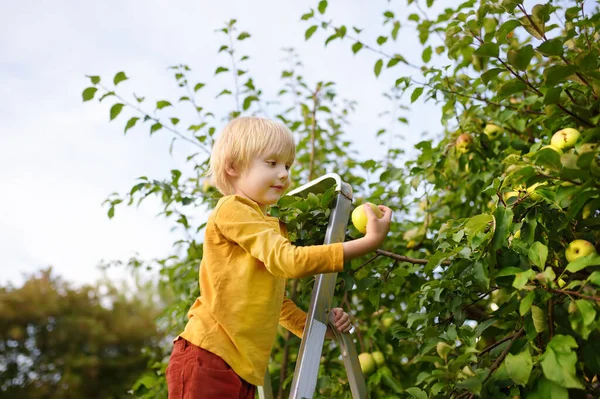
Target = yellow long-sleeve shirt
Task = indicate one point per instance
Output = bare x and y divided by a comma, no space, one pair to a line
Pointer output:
247,258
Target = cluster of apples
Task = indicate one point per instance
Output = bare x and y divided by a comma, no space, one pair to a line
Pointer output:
464,142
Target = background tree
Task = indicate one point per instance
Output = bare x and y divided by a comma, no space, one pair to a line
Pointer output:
487,286
57,341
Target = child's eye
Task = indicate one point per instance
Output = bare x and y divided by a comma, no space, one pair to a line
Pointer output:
288,167
272,163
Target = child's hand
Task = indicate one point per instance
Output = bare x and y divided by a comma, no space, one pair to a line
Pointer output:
378,228
341,321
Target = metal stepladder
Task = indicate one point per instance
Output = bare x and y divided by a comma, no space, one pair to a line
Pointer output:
309,356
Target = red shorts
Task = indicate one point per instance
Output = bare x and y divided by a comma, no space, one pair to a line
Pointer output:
195,373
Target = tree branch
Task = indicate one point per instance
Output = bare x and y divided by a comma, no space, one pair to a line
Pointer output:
504,354
408,259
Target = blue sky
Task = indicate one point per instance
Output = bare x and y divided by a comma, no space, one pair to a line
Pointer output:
60,158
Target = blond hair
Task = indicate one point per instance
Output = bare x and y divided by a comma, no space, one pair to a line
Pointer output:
243,139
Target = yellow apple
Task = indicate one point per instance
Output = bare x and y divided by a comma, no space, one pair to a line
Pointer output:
565,138
579,248
493,131
387,321
379,359
367,363
359,216
464,143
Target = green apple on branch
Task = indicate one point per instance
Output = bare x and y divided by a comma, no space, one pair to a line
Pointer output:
565,138
579,248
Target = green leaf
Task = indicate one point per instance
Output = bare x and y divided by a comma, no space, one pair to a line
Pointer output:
490,74
552,95
416,393
378,66
356,47
526,303
503,217
546,389
131,123
522,278
478,224
381,40
174,121
89,93
488,50
559,362
243,35
221,70
508,271
583,262
539,318
322,6
119,77
553,47
513,87
587,310
198,86
308,15
521,58
594,278
248,102
310,31
416,94
94,79
155,127
162,104
115,110
538,253
558,73
506,28
426,56
519,366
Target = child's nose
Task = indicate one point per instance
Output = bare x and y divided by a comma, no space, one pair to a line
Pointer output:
283,174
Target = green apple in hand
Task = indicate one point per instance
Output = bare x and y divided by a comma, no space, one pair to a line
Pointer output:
579,248
359,216
565,138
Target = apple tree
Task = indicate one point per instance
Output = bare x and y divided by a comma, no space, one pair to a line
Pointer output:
488,285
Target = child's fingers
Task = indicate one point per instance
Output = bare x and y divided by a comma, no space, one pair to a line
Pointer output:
345,326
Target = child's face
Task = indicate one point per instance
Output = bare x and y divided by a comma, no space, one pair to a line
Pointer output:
264,180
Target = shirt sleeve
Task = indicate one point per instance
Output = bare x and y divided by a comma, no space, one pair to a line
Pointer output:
292,318
247,226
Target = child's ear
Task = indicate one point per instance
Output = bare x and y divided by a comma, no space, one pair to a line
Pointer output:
230,169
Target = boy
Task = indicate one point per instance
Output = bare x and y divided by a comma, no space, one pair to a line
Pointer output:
224,350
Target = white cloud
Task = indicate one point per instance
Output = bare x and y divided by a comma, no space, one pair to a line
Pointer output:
60,158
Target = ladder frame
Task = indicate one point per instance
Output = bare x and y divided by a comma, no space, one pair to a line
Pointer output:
319,316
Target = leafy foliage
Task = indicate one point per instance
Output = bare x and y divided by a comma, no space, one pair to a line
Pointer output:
473,295
60,341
